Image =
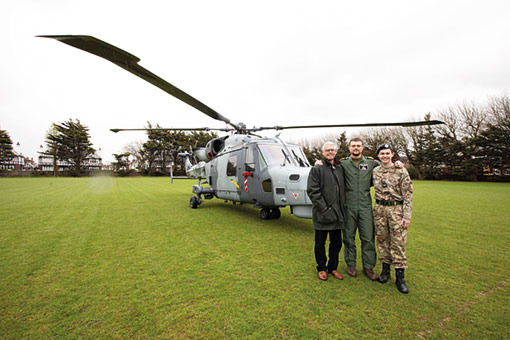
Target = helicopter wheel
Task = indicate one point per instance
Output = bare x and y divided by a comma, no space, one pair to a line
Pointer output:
275,213
193,202
265,214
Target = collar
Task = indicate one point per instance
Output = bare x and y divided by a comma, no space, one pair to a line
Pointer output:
335,161
362,159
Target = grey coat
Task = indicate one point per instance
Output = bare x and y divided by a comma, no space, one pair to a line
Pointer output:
326,189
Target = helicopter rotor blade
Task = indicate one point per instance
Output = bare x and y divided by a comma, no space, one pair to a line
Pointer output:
129,62
174,129
402,124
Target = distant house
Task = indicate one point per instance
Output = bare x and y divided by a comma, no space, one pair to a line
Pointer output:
45,163
92,163
16,163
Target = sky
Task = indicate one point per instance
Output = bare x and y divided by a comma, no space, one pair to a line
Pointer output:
263,63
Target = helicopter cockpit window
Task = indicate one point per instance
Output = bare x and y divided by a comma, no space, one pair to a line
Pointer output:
232,166
274,154
299,156
262,161
249,164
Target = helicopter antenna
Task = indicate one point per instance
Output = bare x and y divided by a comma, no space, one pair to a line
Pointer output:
129,62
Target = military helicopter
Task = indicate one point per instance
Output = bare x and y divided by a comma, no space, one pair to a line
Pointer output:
241,166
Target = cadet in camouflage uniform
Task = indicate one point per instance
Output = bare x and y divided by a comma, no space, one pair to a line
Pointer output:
392,215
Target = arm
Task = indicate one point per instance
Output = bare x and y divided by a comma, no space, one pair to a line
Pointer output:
406,186
313,189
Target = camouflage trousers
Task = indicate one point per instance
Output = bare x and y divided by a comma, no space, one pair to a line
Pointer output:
391,237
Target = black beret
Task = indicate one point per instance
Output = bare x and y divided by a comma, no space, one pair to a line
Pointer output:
383,147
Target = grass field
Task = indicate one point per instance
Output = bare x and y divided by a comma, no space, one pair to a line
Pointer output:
126,258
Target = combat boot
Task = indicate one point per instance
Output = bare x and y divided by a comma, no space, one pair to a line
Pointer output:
401,284
385,274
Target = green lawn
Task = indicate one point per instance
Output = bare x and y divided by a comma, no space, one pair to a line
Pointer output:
127,258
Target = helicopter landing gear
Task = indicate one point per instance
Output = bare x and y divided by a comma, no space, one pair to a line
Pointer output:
275,213
267,214
194,202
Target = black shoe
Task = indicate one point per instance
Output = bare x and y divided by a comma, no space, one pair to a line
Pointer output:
385,274
401,284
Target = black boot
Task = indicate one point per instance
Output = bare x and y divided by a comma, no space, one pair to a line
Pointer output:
385,274
401,284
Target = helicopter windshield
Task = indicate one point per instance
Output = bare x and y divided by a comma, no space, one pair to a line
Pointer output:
298,155
277,155
274,154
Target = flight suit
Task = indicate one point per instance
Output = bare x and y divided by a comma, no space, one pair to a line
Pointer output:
358,180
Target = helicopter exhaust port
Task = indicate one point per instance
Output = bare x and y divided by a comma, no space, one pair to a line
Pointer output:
214,146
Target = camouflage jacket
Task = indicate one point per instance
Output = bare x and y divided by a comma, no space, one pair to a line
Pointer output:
392,184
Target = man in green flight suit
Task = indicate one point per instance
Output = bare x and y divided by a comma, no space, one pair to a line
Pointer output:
358,180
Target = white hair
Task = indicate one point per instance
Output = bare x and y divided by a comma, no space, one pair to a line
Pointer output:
329,143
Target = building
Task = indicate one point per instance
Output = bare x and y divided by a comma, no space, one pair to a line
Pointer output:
91,163
16,163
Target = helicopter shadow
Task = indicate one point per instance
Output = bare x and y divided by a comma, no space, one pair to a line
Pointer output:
286,222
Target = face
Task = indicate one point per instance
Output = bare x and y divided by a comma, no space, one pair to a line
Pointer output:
329,152
385,156
356,149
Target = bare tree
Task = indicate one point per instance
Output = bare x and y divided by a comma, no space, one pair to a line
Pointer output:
135,149
372,138
498,111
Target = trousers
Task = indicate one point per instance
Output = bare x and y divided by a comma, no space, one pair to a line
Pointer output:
335,245
361,220
391,237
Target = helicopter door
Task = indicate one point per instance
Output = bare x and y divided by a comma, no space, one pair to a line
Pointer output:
228,186
253,167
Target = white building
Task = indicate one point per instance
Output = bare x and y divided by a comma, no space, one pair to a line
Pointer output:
46,163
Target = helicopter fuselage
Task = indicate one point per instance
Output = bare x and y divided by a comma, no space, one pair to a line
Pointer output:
265,172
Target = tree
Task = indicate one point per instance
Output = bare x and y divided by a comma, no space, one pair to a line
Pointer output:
122,162
313,147
163,147
70,141
459,138
372,138
427,155
343,145
494,141
135,149
6,153
52,148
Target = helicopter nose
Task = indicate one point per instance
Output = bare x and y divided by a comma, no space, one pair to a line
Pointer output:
296,188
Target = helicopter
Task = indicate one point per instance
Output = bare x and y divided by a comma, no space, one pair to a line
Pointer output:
242,166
